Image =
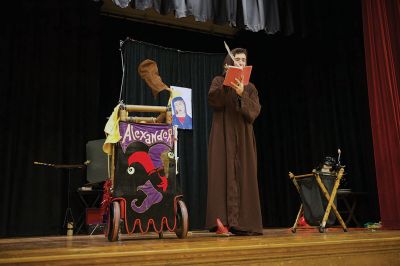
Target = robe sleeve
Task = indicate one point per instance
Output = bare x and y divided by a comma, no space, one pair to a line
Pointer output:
249,104
217,93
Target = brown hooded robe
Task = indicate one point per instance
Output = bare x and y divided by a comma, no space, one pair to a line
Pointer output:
232,159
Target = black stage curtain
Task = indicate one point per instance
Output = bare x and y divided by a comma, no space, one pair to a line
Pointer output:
314,94
61,78
49,83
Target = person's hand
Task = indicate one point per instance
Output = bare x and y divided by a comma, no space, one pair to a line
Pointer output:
238,86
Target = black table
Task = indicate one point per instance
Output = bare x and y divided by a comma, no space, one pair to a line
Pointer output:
68,217
350,200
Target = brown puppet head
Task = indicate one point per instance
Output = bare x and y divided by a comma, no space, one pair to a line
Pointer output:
148,71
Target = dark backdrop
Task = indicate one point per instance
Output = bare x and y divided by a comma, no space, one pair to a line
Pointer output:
49,99
61,77
313,89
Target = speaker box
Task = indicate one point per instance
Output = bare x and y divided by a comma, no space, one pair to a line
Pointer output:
94,216
97,167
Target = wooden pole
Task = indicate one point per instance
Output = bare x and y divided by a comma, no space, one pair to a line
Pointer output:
145,108
331,198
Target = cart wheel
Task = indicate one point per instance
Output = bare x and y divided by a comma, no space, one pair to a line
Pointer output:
113,221
321,229
182,220
161,235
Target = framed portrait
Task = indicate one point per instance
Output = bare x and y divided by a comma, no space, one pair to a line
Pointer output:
181,105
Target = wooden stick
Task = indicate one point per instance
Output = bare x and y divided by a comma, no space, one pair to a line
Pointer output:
112,162
138,119
291,175
145,108
331,198
297,217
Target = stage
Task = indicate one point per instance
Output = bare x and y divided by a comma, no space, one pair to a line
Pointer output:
275,247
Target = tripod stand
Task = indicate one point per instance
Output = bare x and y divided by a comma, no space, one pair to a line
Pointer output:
68,217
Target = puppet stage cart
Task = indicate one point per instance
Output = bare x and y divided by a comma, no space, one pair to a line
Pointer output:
142,194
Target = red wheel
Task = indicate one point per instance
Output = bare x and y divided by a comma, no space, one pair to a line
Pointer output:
114,216
182,220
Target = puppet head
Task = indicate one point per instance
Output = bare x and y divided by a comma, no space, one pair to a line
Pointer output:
328,164
148,71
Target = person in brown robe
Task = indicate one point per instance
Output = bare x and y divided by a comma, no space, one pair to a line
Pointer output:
233,196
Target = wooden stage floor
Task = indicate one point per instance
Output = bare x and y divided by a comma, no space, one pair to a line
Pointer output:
275,247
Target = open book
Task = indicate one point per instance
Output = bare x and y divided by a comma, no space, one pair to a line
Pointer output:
237,72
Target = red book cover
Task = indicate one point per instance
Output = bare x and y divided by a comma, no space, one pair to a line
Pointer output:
236,72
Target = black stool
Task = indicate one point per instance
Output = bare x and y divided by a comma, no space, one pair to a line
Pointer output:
90,199
350,200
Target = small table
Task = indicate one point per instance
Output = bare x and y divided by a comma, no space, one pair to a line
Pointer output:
350,200
68,217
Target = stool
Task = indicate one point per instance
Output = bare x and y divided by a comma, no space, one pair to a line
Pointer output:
350,200
90,199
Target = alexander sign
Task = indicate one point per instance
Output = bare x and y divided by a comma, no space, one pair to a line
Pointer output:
148,134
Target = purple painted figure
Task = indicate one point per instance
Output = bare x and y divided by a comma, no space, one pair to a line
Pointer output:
152,197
